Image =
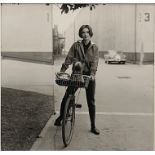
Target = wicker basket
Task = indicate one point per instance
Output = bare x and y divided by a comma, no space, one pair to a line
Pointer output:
74,82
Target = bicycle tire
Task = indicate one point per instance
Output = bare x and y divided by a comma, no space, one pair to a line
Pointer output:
68,121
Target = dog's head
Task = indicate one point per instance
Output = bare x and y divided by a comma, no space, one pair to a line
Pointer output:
77,68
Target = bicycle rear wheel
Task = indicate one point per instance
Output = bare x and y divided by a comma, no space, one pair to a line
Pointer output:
68,121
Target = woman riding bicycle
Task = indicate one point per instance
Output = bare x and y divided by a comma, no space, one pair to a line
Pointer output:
86,52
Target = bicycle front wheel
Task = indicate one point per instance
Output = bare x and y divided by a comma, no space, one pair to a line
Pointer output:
68,121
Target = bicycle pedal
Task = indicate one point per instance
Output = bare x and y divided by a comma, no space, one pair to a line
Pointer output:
78,105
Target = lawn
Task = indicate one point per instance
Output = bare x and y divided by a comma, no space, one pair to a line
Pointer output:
23,116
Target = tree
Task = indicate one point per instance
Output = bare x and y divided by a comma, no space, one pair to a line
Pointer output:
65,8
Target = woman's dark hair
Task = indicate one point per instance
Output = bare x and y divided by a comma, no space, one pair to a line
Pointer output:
85,26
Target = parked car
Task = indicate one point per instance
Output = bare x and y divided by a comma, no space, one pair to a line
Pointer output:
113,56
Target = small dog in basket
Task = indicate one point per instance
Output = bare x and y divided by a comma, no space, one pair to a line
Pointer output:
77,72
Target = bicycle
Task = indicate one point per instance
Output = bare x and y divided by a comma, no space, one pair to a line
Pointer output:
74,81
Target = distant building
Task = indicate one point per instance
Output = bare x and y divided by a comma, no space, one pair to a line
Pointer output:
129,28
58,42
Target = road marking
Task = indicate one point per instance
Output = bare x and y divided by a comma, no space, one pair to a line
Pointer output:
114,113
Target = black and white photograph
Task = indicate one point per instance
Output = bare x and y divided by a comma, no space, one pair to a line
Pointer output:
77,76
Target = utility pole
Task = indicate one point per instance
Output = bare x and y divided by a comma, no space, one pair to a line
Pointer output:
135,54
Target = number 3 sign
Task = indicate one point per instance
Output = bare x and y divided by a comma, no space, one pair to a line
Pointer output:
146,17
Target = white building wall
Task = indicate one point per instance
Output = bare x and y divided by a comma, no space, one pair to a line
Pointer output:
26,28
71,34
113,26
83,20
121,27
145,27
69,37
0,28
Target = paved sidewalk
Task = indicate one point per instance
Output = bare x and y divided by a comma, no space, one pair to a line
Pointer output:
117,134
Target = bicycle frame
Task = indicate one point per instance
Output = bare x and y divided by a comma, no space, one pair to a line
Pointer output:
74,82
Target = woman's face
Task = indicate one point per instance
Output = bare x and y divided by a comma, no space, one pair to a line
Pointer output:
85,34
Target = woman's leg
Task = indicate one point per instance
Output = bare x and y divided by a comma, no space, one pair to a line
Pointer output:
69,90
90,95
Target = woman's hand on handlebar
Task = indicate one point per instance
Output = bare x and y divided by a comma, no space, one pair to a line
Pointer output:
92,77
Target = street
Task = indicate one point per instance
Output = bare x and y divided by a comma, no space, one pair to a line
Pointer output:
124,107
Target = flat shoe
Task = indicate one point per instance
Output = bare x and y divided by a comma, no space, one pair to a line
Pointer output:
95,131
57,122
